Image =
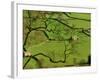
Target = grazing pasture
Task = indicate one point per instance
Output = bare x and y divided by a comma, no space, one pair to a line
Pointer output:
56,39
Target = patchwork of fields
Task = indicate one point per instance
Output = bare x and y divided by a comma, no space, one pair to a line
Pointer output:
56,39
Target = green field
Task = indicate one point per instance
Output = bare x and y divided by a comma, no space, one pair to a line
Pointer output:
56,39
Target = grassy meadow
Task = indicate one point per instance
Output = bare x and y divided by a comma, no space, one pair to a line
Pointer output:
56,39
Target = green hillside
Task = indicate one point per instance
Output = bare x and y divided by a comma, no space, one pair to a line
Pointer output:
56,39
